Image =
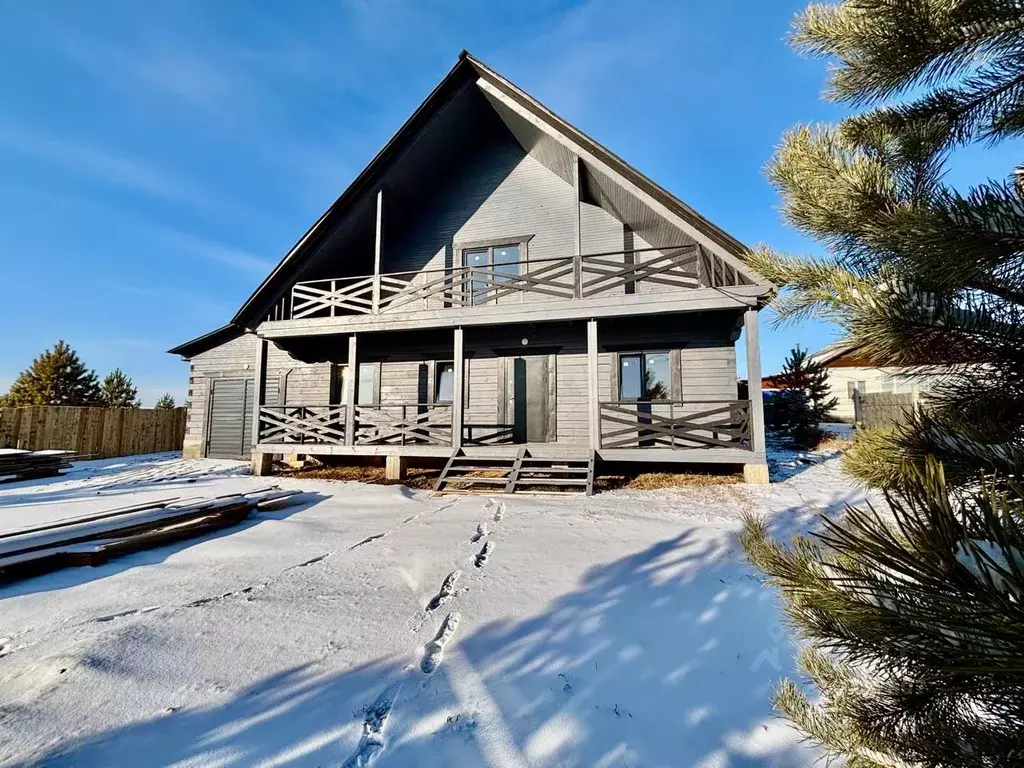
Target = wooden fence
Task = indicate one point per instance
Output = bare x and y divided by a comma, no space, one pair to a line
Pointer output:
883,409
96,432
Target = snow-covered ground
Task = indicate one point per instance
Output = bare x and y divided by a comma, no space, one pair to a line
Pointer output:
618,630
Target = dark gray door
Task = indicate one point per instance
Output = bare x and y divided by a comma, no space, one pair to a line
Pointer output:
229,434
529,403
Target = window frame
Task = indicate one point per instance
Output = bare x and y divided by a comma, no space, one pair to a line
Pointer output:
673,375
338,383
520,241
436,384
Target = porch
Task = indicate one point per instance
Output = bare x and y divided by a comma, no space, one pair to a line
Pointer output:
558,395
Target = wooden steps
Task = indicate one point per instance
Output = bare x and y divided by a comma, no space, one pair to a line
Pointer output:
468,473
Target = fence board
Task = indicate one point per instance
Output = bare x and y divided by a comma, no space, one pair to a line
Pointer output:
96,432
884,409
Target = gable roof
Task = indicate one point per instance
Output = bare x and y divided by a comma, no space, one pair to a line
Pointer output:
467,70
832,352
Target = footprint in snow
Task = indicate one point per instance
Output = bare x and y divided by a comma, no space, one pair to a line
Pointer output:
481,558
481,532
435,648
447,590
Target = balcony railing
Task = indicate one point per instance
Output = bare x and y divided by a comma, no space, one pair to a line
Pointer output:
302,424
675,424
403,424
641,271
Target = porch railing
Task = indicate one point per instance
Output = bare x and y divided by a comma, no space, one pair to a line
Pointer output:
642,270
403,424
675,424
302,424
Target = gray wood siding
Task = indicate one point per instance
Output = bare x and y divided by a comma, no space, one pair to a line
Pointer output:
708,371
504,193
295,381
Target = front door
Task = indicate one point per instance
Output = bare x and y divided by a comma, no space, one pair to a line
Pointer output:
529,404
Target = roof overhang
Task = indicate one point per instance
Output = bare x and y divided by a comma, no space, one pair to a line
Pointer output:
208,341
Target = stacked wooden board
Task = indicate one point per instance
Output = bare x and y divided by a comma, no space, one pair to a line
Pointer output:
94,539
25,465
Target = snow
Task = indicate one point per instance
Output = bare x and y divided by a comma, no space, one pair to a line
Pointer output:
618,630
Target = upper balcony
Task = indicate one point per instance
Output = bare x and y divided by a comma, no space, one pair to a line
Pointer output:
489,290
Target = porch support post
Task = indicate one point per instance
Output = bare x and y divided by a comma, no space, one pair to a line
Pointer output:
350,393
592,386
458,388
376,253
756,471
261,462
577,267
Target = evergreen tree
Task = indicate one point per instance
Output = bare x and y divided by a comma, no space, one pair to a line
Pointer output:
118,391
912,622
804,401
913,626
166,402
917,273
56,377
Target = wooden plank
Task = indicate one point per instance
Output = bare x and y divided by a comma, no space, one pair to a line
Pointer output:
593,402
458,389
753,349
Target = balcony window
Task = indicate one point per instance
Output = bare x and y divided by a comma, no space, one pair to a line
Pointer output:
645,376
490,266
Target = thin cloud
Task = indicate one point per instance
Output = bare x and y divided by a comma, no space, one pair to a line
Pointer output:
223,254
101,165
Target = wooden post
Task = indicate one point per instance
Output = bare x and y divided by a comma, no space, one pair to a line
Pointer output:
592,386
376,253
577,268
458,387
756,471
260,462
350,393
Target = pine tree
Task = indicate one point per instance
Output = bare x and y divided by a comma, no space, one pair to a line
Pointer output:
913,626
917,273
56,377
804,401
166,402
118,391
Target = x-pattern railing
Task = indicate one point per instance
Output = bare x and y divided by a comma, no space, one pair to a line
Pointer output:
602,274
403,424
298,424
677,267
672,424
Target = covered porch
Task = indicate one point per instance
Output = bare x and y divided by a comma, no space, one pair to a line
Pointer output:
561,391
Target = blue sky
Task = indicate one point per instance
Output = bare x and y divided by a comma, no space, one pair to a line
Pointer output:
158,158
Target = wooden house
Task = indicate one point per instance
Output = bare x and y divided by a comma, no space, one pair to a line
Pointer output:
495,288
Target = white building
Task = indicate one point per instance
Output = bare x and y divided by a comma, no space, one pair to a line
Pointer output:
849,372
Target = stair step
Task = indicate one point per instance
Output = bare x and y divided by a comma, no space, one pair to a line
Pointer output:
554,470
479,468
566,462
471,479
550,481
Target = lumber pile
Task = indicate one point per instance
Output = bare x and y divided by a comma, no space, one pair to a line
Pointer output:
94,539
26,465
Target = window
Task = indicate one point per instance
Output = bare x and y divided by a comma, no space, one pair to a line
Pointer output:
490,265
367,390
645,376
444,382
851,390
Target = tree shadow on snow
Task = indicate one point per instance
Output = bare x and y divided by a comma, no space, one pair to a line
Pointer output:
666,656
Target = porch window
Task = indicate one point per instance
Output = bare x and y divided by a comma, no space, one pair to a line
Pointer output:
645,376
489,266
367,389
444,382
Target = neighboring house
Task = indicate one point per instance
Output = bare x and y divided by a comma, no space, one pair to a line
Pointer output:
493,280
850,372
